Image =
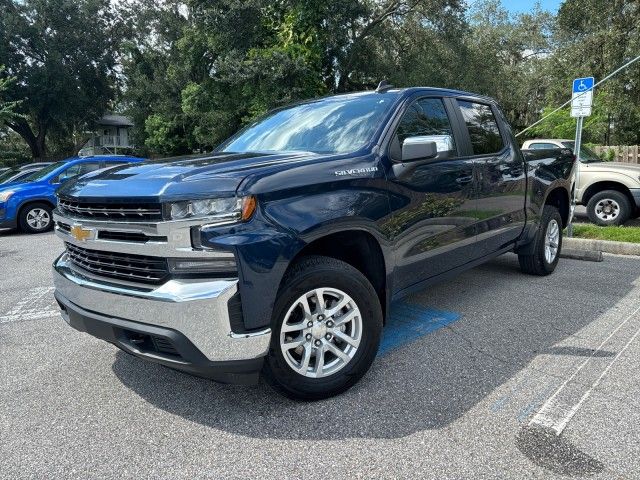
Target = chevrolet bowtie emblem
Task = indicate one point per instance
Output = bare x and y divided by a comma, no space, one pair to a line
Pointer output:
81,234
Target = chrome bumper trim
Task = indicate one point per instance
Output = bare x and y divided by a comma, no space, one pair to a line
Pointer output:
196,308
177,233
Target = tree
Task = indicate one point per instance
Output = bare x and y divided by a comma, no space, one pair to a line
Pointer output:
200,70
593,38
62,54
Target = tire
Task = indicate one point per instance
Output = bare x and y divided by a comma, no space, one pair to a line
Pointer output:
609,207
544,259
35,218
338,282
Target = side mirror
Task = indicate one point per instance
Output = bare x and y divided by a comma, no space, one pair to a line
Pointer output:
418,148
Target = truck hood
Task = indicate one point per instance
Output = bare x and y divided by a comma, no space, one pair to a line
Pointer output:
179,178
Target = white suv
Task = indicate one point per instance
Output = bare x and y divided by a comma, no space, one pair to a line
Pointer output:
610,190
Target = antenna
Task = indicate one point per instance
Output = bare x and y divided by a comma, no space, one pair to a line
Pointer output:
383,86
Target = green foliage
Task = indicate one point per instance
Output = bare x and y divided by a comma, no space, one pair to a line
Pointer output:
191,72
593,38
7,108
617,234
63,56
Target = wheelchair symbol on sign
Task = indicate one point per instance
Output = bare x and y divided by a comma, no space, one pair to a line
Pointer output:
582,87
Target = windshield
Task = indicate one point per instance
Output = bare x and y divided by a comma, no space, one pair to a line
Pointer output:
40,174
7,175
586,154
330,125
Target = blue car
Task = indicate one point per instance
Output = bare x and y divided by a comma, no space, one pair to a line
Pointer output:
28,204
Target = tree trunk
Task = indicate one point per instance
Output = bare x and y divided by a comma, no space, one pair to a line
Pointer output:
37,144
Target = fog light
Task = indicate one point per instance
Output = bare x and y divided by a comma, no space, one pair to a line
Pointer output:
212,265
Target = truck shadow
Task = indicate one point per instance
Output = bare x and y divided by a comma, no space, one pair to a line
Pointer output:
507,320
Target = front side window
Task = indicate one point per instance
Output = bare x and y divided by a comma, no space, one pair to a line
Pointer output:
77,170
483,127
426,117
330,125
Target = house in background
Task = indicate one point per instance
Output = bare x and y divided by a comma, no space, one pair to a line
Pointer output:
110,138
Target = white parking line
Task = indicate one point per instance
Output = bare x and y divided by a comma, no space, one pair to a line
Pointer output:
37,303
555,413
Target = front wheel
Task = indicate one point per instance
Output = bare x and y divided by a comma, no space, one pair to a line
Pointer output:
547,245
35,218
326,329
609,207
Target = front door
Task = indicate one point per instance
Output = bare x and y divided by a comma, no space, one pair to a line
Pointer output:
433,223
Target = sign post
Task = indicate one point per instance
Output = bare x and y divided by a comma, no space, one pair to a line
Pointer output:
581,102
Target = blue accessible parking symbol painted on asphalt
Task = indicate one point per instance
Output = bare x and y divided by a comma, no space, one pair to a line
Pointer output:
408,321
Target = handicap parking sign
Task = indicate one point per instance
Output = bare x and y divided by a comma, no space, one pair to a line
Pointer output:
582,84
582,97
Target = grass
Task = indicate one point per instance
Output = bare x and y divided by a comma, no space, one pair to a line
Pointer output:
617,234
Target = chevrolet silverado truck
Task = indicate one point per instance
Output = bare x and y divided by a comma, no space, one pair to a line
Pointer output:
609,190
280,253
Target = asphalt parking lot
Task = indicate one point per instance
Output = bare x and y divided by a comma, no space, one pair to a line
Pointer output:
493,374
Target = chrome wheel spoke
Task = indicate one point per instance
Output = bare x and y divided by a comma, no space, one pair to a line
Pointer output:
346,338
320,305
346,318
319,369
306,356
293,344
337,352
294,327
343,302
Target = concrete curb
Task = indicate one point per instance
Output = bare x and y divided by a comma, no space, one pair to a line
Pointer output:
607,246
588,255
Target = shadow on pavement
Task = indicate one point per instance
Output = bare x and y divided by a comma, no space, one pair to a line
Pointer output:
427,384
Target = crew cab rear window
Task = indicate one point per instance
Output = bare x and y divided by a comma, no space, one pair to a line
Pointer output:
482,126
542,146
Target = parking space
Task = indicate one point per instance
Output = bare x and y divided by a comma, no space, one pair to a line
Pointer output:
492,374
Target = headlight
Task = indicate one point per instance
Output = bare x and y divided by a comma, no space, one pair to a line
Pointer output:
216,209
4,196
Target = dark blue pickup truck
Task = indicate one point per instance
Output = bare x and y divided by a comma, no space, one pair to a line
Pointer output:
280,253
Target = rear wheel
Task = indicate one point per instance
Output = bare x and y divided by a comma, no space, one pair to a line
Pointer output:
326,329
35,218
547,244
609,207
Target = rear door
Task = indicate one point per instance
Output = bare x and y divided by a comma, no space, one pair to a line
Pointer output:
433,200
501,177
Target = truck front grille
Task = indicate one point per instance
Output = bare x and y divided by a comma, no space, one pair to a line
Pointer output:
109,211
135,268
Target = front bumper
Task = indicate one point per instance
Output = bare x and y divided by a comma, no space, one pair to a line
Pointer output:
183,324
6,222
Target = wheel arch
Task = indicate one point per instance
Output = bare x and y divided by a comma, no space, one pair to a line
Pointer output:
601,186
357,247
30,201
559,198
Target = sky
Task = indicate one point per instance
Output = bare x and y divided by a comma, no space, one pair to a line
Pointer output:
519,6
